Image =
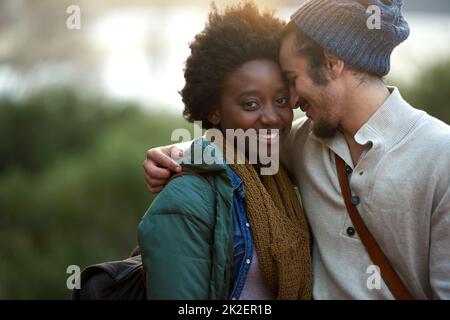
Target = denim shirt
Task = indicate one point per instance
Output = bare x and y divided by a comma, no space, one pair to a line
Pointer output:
243,241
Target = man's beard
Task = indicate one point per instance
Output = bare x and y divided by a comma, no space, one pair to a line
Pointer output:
323,129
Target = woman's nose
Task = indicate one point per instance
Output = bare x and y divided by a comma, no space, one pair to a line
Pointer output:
270,118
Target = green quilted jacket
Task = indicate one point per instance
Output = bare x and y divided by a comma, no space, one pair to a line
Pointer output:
186,236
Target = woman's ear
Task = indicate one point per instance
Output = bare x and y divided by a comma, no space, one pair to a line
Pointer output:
215,117
333,65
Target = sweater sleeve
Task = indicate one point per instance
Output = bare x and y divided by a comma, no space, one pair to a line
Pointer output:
440,248
175,237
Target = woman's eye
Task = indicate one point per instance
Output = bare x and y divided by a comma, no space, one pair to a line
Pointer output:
282,100
250,105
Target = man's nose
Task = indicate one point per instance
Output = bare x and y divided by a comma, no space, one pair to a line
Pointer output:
294,100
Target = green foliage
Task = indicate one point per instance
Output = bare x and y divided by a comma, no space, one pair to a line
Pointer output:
71,186
50,123
431,91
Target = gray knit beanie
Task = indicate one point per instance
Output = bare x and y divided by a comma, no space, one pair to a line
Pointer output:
340,26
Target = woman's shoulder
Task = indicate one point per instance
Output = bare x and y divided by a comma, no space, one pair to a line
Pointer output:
190,195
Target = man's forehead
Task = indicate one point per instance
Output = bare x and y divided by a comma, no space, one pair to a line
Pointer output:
287,54
288,41
288,44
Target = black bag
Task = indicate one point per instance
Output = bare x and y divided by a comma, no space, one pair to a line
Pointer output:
115,280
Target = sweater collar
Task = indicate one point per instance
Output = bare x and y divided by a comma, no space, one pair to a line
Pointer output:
384,129
390,123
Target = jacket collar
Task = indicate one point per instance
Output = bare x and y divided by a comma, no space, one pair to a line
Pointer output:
203,157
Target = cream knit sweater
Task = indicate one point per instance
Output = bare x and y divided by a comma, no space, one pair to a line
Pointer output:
403,186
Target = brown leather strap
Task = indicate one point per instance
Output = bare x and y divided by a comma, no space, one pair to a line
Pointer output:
390,276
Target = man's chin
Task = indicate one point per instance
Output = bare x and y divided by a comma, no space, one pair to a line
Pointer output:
322,130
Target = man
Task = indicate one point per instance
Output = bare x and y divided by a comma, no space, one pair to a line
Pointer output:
397,157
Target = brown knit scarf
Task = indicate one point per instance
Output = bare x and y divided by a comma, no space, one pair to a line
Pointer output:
280,232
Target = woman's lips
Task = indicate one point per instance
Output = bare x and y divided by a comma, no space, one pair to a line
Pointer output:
269,138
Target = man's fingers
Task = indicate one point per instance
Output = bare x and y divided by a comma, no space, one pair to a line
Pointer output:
160,165
154,172
154,185
153,189
155,182
156,190
174,152
161,157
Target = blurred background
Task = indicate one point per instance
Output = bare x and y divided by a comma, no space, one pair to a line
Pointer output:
79,108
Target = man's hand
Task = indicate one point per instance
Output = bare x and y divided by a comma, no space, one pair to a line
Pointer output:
159,166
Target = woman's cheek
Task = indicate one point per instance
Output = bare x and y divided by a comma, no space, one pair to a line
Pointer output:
287,116
247,120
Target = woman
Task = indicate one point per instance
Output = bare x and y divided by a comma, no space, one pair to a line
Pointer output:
224,232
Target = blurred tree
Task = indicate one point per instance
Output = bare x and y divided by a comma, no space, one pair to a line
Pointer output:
431,91
49,124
